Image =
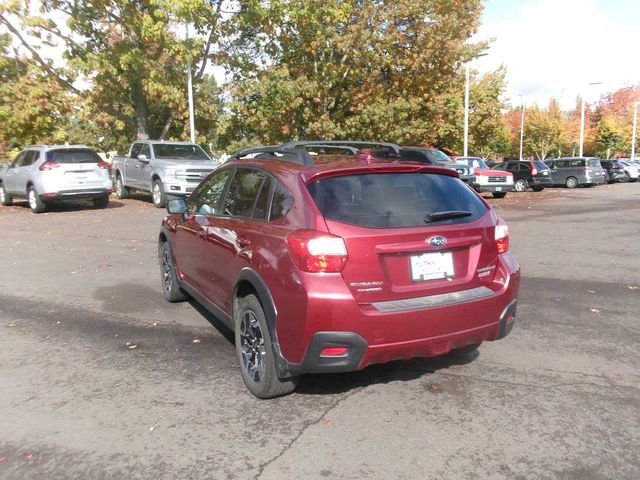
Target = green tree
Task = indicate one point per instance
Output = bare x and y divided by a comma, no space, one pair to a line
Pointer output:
336,68
124,59
544,130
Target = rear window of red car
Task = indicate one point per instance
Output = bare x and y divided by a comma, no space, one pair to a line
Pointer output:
392,200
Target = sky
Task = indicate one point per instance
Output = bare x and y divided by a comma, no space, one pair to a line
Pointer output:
555,48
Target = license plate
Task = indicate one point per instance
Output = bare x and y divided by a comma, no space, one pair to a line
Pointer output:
432,265
498,189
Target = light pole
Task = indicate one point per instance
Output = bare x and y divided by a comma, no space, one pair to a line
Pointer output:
192,128
582,119
521,125
635,127
466,105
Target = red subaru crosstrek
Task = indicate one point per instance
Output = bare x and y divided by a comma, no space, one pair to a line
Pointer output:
332,262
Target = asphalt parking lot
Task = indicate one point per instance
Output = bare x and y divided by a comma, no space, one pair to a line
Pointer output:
101,378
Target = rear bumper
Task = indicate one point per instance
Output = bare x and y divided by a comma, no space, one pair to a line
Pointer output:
540,182
77,194
374,334
493,187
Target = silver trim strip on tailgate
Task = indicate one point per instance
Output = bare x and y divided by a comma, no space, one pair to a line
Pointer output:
432,300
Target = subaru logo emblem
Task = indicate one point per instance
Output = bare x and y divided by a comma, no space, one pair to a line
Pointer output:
437,241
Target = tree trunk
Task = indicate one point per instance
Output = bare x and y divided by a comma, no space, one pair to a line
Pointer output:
139,99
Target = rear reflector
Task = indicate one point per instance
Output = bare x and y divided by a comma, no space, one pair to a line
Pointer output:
334,351
502,237
317,252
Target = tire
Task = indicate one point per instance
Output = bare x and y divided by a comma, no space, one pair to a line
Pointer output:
5,198
101,202
632,180
36,205
499,194
121,191
571,182
168,275
520,185
626,178
254,352
158,194
537,189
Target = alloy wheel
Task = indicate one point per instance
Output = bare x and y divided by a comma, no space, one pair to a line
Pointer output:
119,187
252,346
157,194
33,202
520,185
167,272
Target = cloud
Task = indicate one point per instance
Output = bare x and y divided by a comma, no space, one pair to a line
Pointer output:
556,47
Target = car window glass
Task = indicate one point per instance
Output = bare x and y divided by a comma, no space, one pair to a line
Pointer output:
73,155
17,160
146,151
524,167
392,200
281,203
243,192
562,163
135,150
593,163
499,166
27,159
205,199
577,163
261,209
413,156
512,167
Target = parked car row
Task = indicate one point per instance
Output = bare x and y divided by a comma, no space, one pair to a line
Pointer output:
45,174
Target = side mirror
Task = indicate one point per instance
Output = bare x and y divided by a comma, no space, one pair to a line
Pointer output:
177,206
143,158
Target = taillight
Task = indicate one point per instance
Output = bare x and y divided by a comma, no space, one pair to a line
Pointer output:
534,171
502,237
317,252
48,166
103,164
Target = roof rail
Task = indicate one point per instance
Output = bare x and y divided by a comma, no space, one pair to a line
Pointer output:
333,143
36,145
277,152
352,150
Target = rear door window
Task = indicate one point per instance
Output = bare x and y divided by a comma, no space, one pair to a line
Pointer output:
75,155
540,165
243,192
524,167
394,200
577,163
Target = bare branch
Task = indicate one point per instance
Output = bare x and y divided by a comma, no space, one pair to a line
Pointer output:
167,126
46,67
205,57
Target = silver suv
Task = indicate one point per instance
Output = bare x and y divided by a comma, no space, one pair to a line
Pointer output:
52,173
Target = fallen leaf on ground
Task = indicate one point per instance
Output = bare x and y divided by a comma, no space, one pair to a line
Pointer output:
131,346
591,291
596,311
195,340
387,419
434,387
327,422
10,325
632,287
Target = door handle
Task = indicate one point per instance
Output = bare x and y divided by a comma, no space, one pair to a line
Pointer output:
243,242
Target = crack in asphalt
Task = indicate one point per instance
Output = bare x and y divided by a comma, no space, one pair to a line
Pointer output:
262,467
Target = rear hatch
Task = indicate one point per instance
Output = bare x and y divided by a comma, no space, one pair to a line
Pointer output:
408,234
75,168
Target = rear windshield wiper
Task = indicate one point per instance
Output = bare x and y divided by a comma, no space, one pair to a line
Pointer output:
446,215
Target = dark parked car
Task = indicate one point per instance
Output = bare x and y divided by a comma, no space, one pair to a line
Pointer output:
573,172
433,156
615,170
527,174
333,263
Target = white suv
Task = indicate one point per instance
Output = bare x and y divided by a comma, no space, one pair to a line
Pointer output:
53,173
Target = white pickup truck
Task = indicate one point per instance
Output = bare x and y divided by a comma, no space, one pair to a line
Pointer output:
497,182
162,168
